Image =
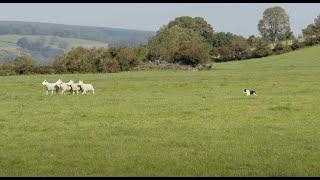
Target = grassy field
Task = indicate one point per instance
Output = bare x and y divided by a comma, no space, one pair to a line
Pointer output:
168,123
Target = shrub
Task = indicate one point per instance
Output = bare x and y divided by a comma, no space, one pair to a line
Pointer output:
261,49
44,69
107,64
178,45
8,68
24,65
281,48
295,44
127,59
310,41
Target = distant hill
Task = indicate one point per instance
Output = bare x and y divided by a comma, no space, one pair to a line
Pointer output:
112,36
12,46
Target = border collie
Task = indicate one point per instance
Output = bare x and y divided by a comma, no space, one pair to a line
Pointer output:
248,92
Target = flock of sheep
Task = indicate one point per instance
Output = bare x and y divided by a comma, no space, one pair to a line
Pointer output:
69,86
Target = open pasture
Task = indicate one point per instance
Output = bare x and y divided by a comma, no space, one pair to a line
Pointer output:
168,123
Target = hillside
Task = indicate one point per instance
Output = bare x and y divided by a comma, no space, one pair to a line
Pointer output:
167,122
111,36
9,48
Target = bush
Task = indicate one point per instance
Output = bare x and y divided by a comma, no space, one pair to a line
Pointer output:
60,64
310,41
179,45
8,68
191,54
20,65
163,65
296,44
107,64
226,53
43,69
280,48
24,65
127,59
261,49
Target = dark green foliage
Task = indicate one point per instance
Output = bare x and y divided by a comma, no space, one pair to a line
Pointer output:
259,47
312,40
44,69
81,60
8,68
296,44
222,39
24,65
21,65
197,24
127,59
281,48
178,45
230,47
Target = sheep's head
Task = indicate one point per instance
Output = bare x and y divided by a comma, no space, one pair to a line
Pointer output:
80,82
59,82
44,82
71,82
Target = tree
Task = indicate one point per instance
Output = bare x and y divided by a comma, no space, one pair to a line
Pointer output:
222,39
240,47
261,48
107,64
274,25
167,43
197,24
228,46
127,58
60,64
312,29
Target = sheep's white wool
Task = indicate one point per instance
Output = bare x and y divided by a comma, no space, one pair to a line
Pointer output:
63,86
86,87
74,87
50,86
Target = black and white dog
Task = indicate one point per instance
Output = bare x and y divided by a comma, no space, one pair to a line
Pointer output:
248,92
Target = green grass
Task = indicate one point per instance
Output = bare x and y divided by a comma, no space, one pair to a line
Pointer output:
168,123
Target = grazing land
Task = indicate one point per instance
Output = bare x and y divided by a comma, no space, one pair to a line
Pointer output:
168,123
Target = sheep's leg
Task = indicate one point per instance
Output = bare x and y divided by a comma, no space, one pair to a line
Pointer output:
93,91
77,92
83,92
62,92
51,92
47,92
72,92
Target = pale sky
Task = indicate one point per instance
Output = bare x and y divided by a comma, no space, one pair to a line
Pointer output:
238,18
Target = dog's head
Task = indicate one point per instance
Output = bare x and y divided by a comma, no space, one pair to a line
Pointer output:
245,90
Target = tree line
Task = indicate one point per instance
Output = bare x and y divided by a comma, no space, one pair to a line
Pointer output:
183,42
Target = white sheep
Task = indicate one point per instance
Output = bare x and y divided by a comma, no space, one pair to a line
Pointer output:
63,86
74,87
86,87
51,86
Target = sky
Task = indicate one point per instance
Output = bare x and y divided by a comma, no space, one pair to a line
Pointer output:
238,18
